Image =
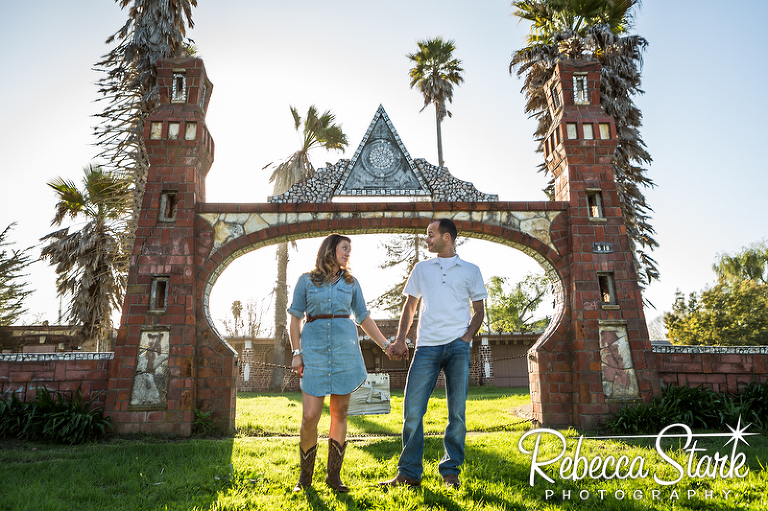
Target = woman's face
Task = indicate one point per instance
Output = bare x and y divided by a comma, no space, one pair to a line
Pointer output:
343,251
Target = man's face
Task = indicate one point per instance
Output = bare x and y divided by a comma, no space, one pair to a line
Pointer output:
436,241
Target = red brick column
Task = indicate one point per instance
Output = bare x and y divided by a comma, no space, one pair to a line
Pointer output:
167,362
579,372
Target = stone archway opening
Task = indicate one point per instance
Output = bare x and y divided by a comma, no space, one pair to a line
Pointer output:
249,274
250,277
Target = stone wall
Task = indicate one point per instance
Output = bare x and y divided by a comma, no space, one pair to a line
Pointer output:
22,373
721,368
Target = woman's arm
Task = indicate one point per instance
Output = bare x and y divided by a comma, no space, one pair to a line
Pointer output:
294,333
369,327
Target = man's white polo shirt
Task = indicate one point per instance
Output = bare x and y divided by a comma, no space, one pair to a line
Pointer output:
446,286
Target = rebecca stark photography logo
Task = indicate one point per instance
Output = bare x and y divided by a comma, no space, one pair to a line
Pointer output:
577,466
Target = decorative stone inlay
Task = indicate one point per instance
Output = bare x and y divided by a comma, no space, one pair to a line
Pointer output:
382,167
619,377
229,226
150,381
44,357
723,350
534,223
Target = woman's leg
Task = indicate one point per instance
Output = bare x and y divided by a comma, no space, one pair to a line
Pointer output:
337,445
338,407
312,408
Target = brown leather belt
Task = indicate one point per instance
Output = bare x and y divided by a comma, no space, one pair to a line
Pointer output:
310,319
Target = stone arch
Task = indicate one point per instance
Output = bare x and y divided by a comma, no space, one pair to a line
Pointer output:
546,256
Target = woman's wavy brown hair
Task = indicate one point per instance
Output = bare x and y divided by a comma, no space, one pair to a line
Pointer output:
326,259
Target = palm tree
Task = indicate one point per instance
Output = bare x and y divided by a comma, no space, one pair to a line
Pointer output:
87,260
316,131
595,29
155,29
435,72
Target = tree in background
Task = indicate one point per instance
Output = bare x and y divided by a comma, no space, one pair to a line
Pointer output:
237,309
749,264
435,72
595,29
13,288
400,252
732,313
513,311
317,130
155,29
246,319
726,315
88,260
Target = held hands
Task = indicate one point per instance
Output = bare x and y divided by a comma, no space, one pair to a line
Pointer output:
397,350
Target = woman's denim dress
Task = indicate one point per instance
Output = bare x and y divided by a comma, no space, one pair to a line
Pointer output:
333,363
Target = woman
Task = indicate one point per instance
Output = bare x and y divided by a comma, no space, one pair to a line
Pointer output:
326,352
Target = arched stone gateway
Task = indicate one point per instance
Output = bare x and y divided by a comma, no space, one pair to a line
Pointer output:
169,360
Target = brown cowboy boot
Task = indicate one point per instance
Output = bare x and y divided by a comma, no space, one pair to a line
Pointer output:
335,459
307,468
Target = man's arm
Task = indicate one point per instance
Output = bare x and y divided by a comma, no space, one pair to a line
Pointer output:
399,347
478,313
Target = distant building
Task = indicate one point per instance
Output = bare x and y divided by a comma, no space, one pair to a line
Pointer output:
497,359
38,339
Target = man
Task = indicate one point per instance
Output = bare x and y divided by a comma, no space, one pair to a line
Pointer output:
446,284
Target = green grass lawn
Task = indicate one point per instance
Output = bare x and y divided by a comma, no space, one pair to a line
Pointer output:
256,472
488,409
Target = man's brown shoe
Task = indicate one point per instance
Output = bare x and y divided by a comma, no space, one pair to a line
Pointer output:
452,481
400,480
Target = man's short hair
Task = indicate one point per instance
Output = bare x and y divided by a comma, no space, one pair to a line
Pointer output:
446,225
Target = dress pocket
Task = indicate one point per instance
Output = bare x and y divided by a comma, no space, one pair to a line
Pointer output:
344,298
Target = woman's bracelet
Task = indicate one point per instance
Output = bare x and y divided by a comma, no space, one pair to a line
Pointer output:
386,345
297,351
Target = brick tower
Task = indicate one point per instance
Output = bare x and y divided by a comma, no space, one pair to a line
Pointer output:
165,367
604,359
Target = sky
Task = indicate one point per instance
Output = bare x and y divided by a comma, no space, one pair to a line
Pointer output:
704,107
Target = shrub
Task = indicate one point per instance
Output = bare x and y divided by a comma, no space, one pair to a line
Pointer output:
204,423
53,416
696,407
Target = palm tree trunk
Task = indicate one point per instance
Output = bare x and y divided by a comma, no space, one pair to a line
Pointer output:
439,136
281,304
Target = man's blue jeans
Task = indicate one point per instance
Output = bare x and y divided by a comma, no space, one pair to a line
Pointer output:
453,359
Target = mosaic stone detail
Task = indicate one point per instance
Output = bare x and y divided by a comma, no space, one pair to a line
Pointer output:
619,378
382,167
46,357
723,350
150,381
230,226
381,164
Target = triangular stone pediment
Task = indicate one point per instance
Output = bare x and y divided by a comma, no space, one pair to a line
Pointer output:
381,165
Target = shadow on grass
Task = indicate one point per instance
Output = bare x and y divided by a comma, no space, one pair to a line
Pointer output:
120,474
495,475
